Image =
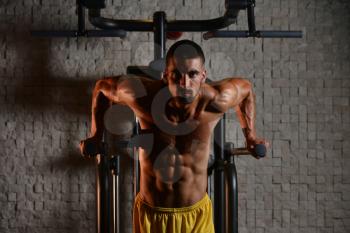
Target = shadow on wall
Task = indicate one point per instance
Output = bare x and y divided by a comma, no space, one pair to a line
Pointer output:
56,110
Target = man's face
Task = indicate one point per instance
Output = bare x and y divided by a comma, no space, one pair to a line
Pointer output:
185,77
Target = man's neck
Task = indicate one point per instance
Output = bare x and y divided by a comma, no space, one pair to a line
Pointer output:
182,109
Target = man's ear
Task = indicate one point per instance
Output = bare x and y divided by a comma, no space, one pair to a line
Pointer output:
204,76
164,78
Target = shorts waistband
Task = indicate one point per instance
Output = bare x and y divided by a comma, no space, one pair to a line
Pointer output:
140,199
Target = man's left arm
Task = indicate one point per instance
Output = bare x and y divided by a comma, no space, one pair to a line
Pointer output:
243,101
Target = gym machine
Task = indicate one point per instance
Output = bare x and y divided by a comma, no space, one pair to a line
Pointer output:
223,167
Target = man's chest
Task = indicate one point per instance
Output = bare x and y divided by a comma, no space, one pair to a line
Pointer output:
182,137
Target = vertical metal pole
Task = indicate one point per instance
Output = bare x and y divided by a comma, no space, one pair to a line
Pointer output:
159,22
219,177
116,193
251,18
136,161
103,192
81,18
98,195
232,190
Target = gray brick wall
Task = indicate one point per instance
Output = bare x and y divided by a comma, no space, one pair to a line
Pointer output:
302,88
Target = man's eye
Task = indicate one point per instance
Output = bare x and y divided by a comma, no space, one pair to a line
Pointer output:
192,74
176,74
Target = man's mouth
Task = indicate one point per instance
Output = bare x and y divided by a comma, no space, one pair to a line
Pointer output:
184,92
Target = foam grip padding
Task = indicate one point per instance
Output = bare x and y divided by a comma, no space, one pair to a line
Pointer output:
260,150
158,65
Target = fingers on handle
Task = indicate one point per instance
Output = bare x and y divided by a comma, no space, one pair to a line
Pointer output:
88,149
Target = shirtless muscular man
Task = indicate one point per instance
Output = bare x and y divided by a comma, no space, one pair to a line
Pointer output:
181,111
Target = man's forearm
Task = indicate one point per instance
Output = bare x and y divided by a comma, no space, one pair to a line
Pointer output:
247,114
100,104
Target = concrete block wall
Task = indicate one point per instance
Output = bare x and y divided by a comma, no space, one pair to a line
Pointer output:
302,88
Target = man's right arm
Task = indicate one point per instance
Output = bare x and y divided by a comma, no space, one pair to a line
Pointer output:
237,93
105,92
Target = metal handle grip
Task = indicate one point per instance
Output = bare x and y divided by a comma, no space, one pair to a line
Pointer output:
88,33
245,34
281,34
260,150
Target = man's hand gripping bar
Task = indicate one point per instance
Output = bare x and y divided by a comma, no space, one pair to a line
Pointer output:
259,150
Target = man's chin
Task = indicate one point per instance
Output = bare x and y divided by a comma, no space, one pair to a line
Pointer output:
186,99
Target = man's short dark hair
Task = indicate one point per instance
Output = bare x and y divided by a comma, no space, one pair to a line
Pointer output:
185,49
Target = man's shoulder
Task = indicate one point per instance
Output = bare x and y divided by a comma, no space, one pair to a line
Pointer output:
230,85
225,83
132,82
221,93
214,88
139,88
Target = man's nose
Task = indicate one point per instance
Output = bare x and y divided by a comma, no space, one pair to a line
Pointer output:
184,81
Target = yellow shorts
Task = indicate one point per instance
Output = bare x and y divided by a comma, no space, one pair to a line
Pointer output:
197,218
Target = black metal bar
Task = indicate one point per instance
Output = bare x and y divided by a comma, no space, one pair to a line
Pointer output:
231,190
259,34
115,166
115,163
237,4
94,4
230,16
98,196
281,34
89,33
199,25
136,162
251,18
54,33
103,194
159,19
172,26
211,25
81,18
219,177
146,25
81,32
127,25
106,33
